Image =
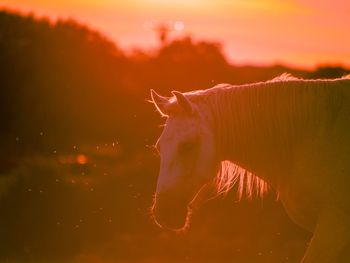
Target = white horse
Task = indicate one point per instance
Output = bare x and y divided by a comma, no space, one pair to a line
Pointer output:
290,134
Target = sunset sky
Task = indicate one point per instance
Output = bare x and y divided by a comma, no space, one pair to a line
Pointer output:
293,32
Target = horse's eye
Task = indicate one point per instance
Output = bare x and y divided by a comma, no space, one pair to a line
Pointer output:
187,147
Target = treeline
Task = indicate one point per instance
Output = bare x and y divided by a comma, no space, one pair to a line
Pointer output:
73,85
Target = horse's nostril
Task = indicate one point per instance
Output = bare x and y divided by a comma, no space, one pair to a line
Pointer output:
170,214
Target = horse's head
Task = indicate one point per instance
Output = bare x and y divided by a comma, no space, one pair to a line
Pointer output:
188,159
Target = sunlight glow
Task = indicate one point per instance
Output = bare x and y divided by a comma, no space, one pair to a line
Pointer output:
291,32
270,6
179,26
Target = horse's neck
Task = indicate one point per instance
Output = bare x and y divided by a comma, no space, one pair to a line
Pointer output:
259,128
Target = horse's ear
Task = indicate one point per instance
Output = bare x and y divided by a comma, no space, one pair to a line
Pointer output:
159,102
183,102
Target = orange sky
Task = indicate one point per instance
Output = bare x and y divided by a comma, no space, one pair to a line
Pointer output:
293,32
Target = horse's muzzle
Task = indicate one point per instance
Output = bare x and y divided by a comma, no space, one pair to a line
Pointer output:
170,211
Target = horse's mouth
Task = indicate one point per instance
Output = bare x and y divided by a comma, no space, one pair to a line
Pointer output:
172,212
170,216
178,225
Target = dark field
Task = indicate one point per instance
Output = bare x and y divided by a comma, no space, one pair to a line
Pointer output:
98,212
77,166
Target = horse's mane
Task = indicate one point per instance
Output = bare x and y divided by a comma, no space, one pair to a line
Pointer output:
284,77
307,99
230,174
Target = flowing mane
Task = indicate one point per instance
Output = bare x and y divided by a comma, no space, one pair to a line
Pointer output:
257,108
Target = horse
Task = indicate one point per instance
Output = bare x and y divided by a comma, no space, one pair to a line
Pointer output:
287,134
